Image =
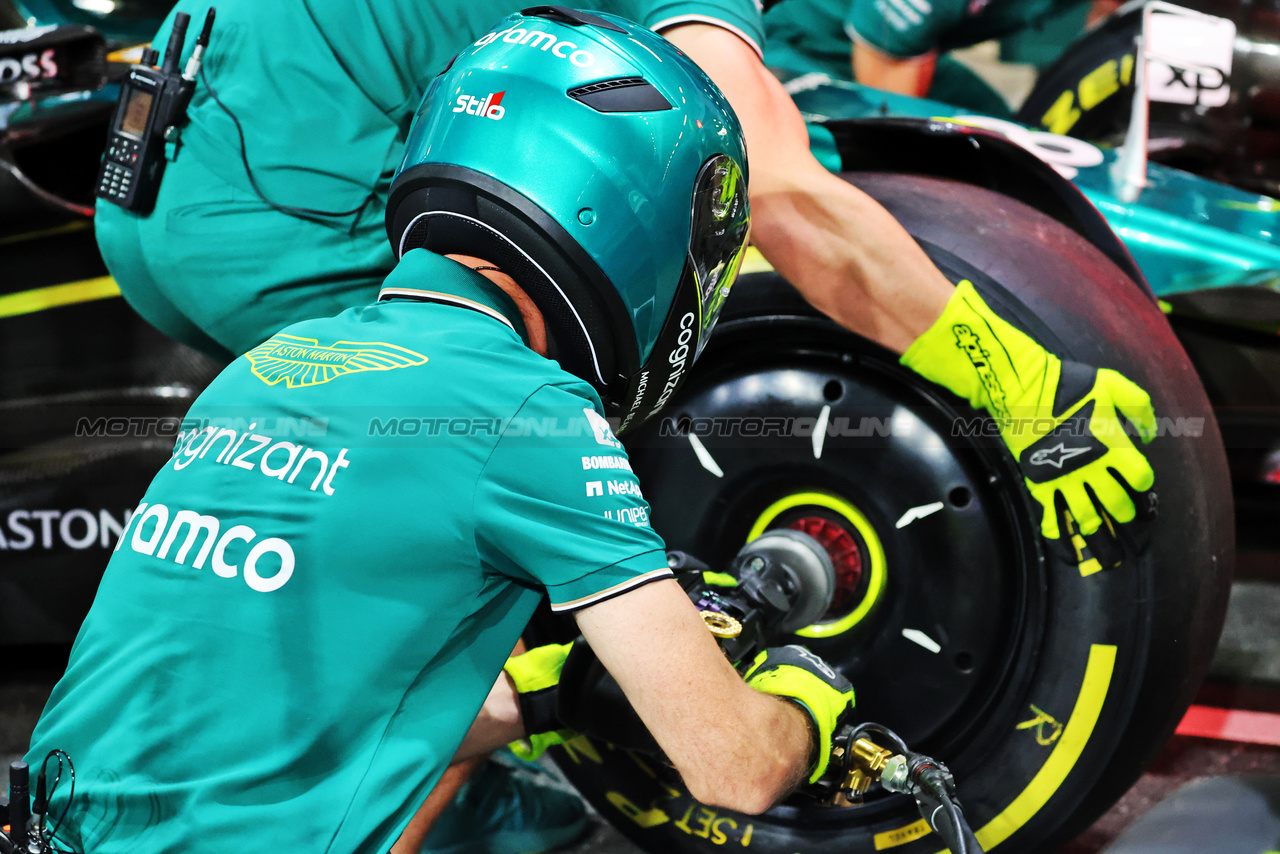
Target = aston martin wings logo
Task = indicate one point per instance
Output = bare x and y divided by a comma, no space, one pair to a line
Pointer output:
303,361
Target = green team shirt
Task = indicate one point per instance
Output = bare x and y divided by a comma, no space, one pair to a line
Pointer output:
822,29
316,593
325,89
908,28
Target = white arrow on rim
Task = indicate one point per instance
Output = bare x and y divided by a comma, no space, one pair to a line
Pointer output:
917,636
918,513
820,431
704,456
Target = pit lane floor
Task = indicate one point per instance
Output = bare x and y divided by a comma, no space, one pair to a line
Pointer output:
1245,675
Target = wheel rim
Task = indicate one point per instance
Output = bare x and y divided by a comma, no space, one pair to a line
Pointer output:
895,621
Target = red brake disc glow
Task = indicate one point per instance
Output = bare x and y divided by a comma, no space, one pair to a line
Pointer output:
844,554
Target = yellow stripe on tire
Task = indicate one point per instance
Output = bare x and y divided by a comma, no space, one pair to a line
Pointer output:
1078,732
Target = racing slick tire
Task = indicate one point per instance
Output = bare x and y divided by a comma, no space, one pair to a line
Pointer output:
1088,94
1045,682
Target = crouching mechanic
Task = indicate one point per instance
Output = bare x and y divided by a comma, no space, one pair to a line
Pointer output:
902,45
294,635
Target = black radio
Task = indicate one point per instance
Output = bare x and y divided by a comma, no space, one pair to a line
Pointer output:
153,101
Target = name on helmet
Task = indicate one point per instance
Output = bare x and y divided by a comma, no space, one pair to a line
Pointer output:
677,358
543,40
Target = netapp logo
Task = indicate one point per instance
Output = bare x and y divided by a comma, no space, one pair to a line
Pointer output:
543,40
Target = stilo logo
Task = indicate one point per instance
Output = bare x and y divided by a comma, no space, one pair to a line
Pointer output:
490,106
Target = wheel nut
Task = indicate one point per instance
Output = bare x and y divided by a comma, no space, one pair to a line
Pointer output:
893,776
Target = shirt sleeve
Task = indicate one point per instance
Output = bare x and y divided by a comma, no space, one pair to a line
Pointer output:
557,504
743,18
903,28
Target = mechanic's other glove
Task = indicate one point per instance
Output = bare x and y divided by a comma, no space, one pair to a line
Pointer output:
796,674
591,702
1061,420
536,675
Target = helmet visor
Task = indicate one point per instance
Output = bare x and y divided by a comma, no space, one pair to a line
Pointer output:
718,238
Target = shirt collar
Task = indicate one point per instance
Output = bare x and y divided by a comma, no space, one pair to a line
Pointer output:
459,285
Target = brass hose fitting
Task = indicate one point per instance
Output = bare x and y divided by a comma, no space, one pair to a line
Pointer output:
865,763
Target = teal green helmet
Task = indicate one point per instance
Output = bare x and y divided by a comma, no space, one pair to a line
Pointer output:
602,170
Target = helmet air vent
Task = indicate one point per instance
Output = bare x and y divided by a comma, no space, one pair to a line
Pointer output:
572,17
621,95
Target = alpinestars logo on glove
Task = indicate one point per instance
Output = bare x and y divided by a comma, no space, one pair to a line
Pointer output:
1051,457
1056,455
303,361
967,340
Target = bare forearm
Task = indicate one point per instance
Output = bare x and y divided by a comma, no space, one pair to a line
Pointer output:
734,747
911,76
497,724
780,736
837,245
849,257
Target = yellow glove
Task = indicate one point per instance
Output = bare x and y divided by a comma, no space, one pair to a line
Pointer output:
536,675
796,674
1061,420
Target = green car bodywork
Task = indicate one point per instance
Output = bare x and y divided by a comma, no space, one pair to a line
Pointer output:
1185,233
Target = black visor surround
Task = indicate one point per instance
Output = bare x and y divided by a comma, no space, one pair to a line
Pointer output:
717,242
452,209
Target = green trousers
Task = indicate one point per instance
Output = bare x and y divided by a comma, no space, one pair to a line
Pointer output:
220,270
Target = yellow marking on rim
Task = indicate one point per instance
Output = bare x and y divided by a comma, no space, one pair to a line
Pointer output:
875,554
39,299
65,228
1078,731
754,262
